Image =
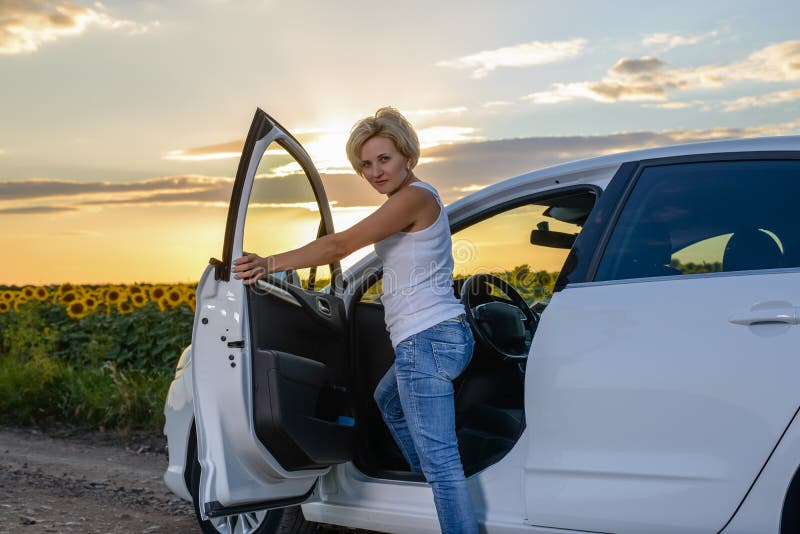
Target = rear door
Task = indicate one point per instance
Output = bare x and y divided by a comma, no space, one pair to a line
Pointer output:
658,391
271,401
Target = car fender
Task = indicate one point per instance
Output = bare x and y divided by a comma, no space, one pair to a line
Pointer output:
763,506
178,422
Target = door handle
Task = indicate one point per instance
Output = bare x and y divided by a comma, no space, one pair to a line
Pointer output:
323,307
768,316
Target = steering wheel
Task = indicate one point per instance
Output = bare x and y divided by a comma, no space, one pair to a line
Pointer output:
506,329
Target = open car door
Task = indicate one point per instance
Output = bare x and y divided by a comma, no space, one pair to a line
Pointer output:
271,406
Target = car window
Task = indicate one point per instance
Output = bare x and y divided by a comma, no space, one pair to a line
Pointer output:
502,245
706,217
282,214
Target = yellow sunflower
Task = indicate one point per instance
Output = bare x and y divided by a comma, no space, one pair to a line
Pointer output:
7,295
91,302
77,309
70,296
28,292
163,303
157,292
19,302
135,289
124,307
138,299
115,295
4,306
192,301
40,293
174,296
64,288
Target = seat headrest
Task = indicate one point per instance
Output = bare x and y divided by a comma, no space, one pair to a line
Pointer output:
751,249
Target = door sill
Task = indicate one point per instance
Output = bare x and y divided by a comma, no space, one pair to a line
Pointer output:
216,509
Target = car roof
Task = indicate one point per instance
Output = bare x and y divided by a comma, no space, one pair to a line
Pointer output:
592,168
612,161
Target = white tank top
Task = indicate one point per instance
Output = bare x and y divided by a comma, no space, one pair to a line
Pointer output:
418,277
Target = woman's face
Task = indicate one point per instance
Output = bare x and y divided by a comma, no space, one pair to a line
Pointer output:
383,166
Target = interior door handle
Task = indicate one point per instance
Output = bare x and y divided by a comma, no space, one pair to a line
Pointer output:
768,316
323,307
275,291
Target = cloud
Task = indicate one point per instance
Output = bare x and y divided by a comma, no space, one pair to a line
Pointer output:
482,163
291,190
634,67
441,135
25,25
520,55
668,41
496,104
418,113
770,99
456,169
45,188
650,79
678,105
326,148
231,149
36,210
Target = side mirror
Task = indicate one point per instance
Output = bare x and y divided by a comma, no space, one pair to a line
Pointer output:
548,238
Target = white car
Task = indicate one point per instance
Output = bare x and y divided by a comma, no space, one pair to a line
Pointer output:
655,391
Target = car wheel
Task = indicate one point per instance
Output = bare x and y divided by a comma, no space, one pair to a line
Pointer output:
281,520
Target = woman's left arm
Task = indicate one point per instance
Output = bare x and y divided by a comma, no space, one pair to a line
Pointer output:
399,211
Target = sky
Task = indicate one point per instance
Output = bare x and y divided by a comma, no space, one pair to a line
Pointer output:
121,122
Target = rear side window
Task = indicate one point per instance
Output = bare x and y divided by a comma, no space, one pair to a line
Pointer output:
707,217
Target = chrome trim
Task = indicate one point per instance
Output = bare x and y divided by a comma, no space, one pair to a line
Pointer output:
277,292
719,274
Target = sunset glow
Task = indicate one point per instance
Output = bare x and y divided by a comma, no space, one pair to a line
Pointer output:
124,121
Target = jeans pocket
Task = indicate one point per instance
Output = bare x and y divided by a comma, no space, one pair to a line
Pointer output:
451,358
404,352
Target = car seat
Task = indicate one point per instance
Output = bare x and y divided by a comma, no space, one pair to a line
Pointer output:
751,249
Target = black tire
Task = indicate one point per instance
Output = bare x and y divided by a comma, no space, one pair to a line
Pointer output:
279,521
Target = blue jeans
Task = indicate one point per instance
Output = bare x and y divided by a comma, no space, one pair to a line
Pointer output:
415,397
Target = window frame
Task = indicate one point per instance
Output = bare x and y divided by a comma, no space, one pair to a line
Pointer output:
366,283
628,177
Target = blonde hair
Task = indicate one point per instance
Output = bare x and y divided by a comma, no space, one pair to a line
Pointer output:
388,123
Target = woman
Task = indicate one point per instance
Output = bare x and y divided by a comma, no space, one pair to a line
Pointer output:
432,341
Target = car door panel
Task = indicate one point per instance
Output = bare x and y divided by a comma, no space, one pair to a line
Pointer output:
630,409
297,399
269,359
651,395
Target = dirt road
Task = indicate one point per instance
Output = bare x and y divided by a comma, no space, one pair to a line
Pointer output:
86,483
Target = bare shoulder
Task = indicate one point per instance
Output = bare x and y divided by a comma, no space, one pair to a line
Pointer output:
422,203
419,197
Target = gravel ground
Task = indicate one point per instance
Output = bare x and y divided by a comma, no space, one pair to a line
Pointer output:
73,481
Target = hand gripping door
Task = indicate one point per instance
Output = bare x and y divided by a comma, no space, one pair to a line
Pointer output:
269,359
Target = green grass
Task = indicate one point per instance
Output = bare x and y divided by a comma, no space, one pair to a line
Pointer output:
106,371
42,390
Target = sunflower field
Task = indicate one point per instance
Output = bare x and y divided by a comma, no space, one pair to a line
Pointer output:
91,355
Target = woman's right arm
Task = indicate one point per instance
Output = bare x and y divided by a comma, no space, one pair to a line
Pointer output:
399,211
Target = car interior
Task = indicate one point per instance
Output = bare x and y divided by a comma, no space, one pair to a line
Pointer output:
315,365
489,394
